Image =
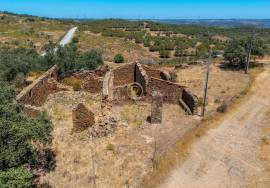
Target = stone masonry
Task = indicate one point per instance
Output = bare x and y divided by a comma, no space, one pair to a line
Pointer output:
82,118
36,93
157,103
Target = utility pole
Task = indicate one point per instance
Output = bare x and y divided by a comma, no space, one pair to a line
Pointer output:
206,84
249,53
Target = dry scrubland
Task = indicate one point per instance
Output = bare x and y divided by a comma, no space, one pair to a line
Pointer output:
124,159
114,45
136,150
22,32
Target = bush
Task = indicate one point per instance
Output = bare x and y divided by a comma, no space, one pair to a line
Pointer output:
222,108
74,83
179,51
14,62
110,147
75,40
164,54
200,101
16,178
173,76
89,60
77,86
66,58
17,135
119,58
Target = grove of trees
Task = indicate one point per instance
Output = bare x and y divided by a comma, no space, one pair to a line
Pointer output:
236,53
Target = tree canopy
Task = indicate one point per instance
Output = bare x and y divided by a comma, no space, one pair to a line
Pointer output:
236,52
17,133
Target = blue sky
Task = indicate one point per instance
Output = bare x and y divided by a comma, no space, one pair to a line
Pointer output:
139,9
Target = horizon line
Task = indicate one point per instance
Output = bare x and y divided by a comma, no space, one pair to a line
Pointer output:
131,18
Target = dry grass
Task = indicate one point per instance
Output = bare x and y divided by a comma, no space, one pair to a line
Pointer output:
130,148
224,85
60,112
75,83
264,152
175,156
129,113
17,32
112,46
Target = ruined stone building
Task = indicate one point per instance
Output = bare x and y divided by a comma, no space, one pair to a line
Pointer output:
128,82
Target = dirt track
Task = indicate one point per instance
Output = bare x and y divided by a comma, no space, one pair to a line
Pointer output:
227,156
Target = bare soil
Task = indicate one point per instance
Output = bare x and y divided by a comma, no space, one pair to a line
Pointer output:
231,154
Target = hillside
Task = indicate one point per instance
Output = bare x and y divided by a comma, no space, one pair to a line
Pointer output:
120,105
229,23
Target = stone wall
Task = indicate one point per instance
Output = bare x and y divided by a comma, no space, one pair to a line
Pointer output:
152,72
156,112
108,85
120,94
171,92
36,93
92,84
82,118
90,81
101,72
124,75
191,101
141,77
31,111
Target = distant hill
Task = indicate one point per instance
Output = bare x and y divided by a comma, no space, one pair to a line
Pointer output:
258,23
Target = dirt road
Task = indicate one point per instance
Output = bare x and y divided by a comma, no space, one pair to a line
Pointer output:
227,156
67,39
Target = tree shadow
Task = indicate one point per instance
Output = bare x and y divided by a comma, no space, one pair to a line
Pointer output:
44,163
236,67
45,160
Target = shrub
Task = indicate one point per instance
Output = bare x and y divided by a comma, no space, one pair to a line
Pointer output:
154,48
200,101
173,76
110,147
119,58
19,80
164,54
16,178
179,51
222,108
77,86
66,58
75,40
74,83
89,60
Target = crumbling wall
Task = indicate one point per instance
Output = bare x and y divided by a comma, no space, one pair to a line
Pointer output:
124,75
82,118
120,94
191,101
156,112
141,77
101,72
92,84
90,81
36,93
31,111
152,72
108,85
171,92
